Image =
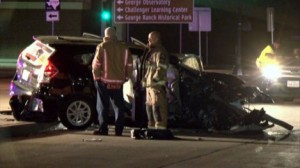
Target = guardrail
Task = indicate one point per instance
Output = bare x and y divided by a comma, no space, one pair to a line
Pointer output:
8,63
7,67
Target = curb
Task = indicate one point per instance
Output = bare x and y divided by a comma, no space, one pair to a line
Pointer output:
9,127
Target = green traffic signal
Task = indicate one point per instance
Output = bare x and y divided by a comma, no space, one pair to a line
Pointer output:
105,15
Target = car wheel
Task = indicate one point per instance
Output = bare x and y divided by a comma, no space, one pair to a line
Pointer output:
17,106
78,112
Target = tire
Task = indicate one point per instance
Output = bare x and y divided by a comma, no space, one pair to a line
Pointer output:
17,105
78,112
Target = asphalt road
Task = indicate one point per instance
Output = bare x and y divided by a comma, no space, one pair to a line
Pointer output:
81,149
27,144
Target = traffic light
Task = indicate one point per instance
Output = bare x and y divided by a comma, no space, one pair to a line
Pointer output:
105,15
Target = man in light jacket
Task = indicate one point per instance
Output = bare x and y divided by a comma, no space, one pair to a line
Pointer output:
112,66
155,64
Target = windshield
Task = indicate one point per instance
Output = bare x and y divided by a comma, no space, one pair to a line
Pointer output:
191,61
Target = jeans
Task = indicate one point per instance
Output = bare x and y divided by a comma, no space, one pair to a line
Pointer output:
104,98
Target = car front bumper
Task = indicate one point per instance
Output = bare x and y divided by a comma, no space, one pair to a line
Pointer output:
284,87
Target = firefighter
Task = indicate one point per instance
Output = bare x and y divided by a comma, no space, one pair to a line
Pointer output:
112,66
268,55
155,64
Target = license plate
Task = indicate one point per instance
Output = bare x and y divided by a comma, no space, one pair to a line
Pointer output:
25,75
293,84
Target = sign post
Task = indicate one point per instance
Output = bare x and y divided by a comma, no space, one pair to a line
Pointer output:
270,22
52,8
153,11
149,11
201,23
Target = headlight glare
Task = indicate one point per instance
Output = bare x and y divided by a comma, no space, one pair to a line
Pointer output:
272,72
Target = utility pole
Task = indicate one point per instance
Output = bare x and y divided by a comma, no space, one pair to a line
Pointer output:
238,67
270,22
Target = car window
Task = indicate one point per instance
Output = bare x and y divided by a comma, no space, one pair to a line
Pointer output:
70,57
192,62
84,58
137,51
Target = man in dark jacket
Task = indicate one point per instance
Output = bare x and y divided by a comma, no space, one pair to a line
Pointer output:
112,66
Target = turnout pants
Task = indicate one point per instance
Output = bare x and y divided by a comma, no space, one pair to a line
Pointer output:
157,107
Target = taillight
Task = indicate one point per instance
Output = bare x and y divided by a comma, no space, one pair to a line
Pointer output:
50,70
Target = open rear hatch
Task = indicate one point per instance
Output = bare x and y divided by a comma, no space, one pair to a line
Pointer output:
31,68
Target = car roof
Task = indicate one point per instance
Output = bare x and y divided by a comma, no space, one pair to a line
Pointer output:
86,39
68,40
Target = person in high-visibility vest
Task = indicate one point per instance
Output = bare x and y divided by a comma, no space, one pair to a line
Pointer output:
268,55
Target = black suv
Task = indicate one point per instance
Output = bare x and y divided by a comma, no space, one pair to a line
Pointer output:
53,79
